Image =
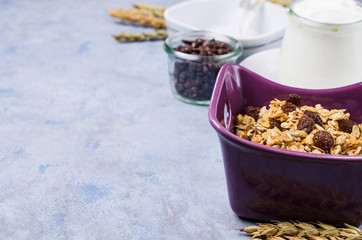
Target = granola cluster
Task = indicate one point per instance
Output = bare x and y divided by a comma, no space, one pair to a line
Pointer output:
288,124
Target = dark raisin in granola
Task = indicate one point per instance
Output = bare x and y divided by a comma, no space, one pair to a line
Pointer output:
253,112
317,119
274,123
323,140
253,133
306,124
288,107
346,125
294,98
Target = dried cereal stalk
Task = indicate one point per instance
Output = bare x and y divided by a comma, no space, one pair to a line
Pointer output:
156,10
146,17
135,37
283,3
295,230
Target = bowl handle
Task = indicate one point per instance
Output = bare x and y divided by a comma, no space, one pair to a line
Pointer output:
225,100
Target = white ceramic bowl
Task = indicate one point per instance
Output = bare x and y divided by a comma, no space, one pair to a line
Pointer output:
226,17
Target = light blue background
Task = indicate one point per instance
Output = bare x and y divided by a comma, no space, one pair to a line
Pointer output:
92,143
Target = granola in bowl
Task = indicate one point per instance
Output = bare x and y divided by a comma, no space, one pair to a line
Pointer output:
287,124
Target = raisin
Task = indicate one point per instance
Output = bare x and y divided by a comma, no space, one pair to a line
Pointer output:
274,123
288,107
294,98
253,133
203,47
323,140
346,125
195,79
317,119
306,124
253,112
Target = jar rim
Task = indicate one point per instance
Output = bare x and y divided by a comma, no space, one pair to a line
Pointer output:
319,23
234,44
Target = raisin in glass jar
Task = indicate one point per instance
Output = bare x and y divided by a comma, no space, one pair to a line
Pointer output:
194,60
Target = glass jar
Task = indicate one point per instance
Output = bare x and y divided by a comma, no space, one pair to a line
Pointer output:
192,77
317,54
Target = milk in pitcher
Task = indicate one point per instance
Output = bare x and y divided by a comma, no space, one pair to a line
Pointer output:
322,46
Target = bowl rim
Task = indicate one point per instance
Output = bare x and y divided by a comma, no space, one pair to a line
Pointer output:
221,130
316,23
248,42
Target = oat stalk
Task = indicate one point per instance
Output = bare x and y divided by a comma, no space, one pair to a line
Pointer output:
142,14
296,230
157,11
147,15
283,3
135,37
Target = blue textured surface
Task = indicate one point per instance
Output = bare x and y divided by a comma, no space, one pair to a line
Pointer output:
93,144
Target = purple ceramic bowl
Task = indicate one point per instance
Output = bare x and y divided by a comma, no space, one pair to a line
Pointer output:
266,183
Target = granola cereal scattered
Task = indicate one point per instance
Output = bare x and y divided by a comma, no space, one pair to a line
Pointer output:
288,124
